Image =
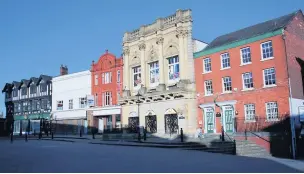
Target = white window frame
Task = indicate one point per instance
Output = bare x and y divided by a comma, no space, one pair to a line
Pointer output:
271,85
103,78
136,72
107,98
118,76
153,67
223,84
249,114
173,65
262,55
71,104
274,115
243,79
228,57
96,79
82,102
58,108
206,91
107,77
242,58
208,59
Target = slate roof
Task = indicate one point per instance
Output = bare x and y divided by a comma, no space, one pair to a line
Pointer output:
7,86
255,30
44,77
34,79
17,84
26,82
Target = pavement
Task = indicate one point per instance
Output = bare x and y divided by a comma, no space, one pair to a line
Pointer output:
58,156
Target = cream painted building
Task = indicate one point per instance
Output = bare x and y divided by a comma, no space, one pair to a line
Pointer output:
159,87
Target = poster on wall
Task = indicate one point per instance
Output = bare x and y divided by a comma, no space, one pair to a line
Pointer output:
90,100
301,113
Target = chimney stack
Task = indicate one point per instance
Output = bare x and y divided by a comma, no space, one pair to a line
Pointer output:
63,70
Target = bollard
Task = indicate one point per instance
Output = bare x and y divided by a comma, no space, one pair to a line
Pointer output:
139,138
234,147
182,134
245,134
26,137
40,135
12,139
34,132
145,134
93,135
80,134
52,135
223,134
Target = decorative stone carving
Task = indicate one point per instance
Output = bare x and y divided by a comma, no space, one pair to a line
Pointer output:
152,54
142,46
126,51
135,58
180,32
172,50
160,40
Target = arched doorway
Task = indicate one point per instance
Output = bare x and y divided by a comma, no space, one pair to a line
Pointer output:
171,121
151,122
133,121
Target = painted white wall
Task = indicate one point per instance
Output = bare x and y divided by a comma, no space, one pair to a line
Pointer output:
70,86
198,45
296,106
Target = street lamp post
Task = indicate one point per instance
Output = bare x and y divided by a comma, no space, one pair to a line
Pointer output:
138,102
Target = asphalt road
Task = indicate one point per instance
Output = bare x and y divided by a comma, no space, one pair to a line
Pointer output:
54,156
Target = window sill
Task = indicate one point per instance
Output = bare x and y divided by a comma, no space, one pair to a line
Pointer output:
247,89
227,92
249,121
207,72
269,58
207,95
225,68
269,86
243,64
274,120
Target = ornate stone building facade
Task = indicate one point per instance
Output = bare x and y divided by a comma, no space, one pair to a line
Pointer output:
159,87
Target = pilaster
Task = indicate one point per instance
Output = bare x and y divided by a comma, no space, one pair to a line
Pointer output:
142,48
160,42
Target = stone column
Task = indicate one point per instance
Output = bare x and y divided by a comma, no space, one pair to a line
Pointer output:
181,53
160,42
126,75
186,60
142,48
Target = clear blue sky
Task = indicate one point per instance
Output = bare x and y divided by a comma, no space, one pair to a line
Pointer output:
37,36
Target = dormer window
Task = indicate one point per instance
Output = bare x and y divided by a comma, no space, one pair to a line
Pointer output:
33,89
23,91
43,87
15,93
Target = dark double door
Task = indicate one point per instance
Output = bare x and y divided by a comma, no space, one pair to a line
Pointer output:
133,124
171,123
151,124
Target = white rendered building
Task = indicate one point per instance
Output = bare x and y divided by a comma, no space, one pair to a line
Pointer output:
69,99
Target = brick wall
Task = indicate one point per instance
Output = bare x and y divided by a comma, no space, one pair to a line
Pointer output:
295,48
260,95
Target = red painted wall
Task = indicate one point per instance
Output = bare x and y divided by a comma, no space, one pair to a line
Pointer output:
259,96
107,63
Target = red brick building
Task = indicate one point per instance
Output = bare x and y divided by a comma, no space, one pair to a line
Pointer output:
253,73
107,81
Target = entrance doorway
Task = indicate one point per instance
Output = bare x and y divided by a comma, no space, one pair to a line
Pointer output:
100,125
209,117
228,118
133,123
151,124
171,123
